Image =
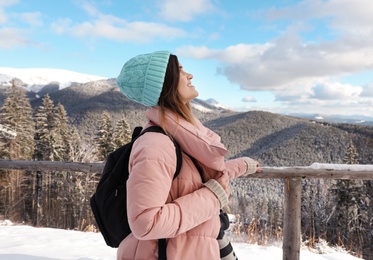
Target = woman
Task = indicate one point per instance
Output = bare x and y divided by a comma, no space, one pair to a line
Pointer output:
184,210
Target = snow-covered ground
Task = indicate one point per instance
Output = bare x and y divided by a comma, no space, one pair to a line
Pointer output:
19,242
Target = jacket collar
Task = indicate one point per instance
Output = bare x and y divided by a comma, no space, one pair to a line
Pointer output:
198,141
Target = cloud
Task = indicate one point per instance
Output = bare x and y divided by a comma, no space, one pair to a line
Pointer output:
4,3
367,91
286,60
336,91
179,10
89,8
31,18
330,97
121,30
12,38
351,17
289,62
249,99
3,17
61,25
114,28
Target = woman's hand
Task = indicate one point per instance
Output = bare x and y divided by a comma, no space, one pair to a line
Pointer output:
223,180
252,166
257,168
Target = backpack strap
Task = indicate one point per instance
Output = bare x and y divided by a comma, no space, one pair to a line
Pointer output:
136,132
162,255
199,168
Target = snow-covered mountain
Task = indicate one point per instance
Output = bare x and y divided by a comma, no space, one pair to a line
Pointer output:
215,103
349,119
47,80
34,79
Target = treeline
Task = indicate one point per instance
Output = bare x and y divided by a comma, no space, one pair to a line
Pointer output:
53,199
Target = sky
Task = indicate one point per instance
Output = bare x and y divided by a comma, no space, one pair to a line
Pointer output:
284,56
19,242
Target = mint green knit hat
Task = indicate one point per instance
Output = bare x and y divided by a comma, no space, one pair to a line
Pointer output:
142,77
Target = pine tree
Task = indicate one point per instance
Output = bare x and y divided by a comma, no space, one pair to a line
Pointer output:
351,154
44,150
104,136
122,133
16,115
349,217
74,145
61,134
44,136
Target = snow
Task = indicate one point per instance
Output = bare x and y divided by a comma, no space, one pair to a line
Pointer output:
329,166
21,242
215,103
36,78
7,133
348,167
201,108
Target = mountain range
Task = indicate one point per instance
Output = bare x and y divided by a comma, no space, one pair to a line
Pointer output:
273,139
45,80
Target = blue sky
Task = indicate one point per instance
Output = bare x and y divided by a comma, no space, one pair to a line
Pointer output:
284,56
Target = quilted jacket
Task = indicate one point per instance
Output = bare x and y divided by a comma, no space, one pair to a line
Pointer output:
181,210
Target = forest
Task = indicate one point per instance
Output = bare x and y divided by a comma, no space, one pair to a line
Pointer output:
338,211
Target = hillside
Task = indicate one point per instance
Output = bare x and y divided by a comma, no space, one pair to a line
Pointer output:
277,140
273,139
86,102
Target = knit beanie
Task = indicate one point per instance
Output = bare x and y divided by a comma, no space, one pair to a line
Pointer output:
142,77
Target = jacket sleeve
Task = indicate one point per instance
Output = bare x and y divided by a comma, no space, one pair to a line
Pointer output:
152,166
240,166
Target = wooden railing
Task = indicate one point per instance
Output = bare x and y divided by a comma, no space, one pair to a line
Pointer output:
292,187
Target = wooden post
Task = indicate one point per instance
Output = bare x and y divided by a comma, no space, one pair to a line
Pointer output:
292,217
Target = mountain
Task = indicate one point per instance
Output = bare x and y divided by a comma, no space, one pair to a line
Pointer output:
275,140
215,103
40,81
348,119
35,79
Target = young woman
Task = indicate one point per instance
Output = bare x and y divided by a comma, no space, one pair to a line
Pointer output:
185,211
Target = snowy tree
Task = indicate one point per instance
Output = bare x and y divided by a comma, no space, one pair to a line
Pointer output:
61,134
349,218
104,136
16,115
122,133
44,126
16,119
351,154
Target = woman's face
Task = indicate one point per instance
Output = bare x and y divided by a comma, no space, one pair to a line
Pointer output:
185,88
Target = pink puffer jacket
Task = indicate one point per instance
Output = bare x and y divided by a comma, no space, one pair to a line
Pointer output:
181,210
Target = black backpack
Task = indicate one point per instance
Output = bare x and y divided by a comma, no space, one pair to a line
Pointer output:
109,204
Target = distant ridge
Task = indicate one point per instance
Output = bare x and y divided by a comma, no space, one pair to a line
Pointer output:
34,79
40,81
